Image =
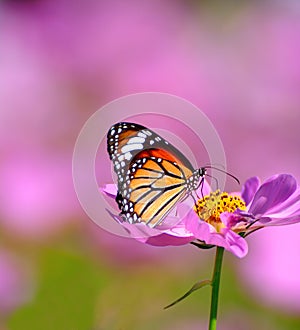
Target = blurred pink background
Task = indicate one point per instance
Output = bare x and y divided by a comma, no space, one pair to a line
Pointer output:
60,61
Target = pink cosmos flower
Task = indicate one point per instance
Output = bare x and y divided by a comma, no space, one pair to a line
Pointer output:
223,219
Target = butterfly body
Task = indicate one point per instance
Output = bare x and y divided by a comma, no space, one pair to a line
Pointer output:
153,176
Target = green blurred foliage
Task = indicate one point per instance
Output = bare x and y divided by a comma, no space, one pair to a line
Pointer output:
77,292
69,286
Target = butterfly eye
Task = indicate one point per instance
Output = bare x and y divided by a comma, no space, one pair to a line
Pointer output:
202,171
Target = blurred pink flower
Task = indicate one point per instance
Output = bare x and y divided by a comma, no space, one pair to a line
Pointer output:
271,271
222,219
184,52
96,32
38,127
37,195
38,111
15,285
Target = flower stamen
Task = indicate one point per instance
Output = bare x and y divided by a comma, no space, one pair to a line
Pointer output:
211,206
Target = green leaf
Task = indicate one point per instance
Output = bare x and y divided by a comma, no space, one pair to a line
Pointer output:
195,287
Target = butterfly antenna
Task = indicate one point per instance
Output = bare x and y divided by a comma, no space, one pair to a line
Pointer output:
223,171
216,180
195,198
216,165
200,185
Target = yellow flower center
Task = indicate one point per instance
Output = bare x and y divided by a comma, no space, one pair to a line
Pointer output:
211,206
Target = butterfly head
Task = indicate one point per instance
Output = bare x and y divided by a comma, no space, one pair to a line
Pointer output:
196,179
202,172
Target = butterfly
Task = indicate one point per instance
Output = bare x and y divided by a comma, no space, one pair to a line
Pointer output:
153,176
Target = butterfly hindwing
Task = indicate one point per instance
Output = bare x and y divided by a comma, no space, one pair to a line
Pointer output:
151,188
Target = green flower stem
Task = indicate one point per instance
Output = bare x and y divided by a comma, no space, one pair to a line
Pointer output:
215,283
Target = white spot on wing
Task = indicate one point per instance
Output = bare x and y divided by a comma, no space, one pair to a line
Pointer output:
136,139
130,147
142,135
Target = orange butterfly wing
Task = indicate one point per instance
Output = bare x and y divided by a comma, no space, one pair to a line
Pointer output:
152,174
156,184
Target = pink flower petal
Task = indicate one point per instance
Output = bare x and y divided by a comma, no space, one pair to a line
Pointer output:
200,229
110,190
157,236
235,243
139,231
166,239
290,207
231,219
227,238
249,189
272,192
279,221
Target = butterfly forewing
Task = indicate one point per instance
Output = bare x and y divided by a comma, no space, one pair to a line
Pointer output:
152,174
125,140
